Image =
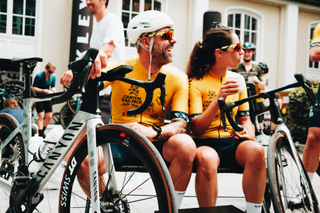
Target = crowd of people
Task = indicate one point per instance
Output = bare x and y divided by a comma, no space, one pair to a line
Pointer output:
191,96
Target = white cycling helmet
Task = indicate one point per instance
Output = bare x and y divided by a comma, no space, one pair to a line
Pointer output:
148,21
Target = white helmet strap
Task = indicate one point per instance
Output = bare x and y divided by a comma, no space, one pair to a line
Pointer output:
150,52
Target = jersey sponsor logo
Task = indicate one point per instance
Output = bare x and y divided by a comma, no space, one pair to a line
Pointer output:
144,23
133,98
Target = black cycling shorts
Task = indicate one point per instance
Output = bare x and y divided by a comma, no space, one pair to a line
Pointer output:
314,115
46,106
225,147
123,156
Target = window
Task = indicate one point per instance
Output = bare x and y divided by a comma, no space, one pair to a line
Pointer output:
245,23
18,17
3,16
131,8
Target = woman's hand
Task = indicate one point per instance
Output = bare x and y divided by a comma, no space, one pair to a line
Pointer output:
242,135
229,87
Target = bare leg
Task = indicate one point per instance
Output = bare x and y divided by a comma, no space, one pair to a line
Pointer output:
40,120
180,151
47,119
83,174
311,150
250,155
206,183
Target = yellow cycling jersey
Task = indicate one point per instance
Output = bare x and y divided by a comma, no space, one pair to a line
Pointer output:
203,91
316,37
125,96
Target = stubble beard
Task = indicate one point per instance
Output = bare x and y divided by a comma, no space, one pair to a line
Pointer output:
161,58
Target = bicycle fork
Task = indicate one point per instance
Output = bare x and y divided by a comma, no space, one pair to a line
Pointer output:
93,164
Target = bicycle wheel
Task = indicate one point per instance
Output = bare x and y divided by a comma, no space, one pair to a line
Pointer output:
287,188
150,190
66,115
9,123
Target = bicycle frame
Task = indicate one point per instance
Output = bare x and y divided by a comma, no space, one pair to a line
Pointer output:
81,122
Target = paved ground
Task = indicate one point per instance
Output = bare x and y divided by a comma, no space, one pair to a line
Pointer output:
230,193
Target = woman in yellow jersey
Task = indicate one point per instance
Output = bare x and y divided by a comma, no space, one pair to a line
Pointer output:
209,79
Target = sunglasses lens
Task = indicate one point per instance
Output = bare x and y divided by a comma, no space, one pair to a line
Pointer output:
167,35
237,47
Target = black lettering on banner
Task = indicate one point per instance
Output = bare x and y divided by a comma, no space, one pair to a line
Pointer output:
81,29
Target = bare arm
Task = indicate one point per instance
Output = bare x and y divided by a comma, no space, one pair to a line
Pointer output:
108,49
39,90
261,84
315,54
176,126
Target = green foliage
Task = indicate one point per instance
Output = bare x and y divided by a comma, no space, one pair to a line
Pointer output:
298,112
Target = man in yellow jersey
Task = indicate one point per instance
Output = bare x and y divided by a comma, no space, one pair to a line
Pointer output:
152,33
311,150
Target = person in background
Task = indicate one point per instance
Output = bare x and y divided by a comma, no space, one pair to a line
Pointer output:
280,101
11,107
252,74
44,83
107,36
312,147
209,79
260,87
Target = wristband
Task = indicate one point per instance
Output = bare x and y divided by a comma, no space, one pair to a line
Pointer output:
158,130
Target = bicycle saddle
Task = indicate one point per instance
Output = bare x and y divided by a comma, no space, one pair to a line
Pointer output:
26,60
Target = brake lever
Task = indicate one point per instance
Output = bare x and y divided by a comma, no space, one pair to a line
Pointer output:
307,86
227,109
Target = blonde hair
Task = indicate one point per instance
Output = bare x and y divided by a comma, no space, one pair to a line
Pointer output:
50,65
10,103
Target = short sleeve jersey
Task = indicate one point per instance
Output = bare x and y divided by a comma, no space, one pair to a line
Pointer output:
125,96
203,91
109,29
41,81
316,37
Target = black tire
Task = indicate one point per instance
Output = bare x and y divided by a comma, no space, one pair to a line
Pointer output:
66,115
288,191
10,123
14,89
124,141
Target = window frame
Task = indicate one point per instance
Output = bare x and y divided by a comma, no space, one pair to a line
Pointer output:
164,8
260,26
24,16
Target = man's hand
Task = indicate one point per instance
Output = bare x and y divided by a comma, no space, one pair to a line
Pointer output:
99,63
66,78
146,131
255,79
